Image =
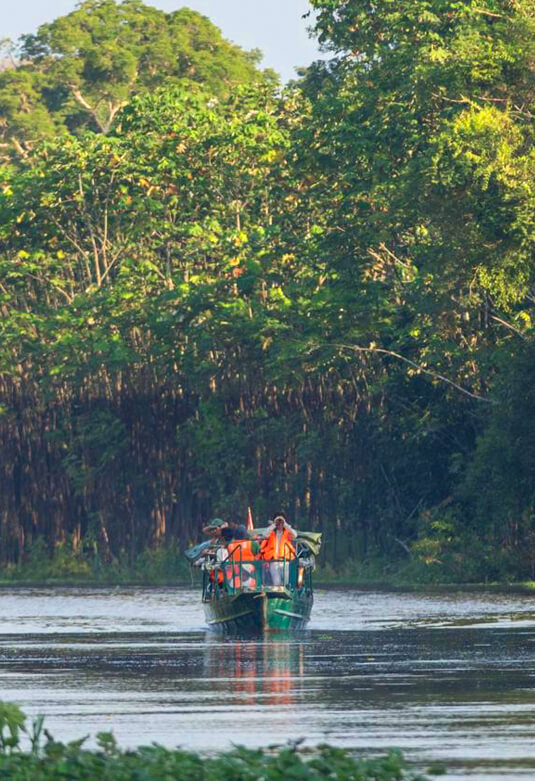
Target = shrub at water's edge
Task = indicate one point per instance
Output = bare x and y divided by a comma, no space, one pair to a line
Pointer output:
68,565
165,565
47,759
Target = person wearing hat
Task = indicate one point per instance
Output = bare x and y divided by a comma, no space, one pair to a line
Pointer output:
217,530
231,531
232,541
214,527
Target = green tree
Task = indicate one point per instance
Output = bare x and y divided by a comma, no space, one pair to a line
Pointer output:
320,299
497,495
421,145
81,69
150,247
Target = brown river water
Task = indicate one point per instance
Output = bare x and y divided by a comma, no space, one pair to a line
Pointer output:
447,678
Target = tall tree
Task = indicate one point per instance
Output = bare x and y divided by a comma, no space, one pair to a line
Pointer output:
319,298
81,69
423,146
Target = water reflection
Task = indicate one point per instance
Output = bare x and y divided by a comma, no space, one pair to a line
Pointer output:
443,677
258,671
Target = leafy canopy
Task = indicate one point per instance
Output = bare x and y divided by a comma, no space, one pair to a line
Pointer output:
81,69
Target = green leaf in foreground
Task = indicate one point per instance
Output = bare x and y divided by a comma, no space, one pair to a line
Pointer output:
56,760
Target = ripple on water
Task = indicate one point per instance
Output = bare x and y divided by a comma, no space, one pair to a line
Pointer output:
441,676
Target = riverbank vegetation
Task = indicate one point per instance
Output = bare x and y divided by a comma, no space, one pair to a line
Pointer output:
46,759
163,565
218,293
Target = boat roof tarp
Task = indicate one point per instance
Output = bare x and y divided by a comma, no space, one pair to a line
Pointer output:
192,554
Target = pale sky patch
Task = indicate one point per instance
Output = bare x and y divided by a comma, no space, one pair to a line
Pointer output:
275,26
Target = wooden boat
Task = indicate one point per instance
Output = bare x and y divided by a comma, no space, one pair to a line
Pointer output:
257,596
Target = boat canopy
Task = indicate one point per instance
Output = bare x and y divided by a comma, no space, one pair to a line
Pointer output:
195,553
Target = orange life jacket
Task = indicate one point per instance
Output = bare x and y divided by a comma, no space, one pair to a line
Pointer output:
219,577
286,549
232,572
240,551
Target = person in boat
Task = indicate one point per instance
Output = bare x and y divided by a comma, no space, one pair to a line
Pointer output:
277,549
239,532
214,528
280,540
216,552
232,552
217,526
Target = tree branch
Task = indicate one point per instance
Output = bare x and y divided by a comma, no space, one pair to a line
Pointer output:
83,102
18,146
509,326
484,12
418,367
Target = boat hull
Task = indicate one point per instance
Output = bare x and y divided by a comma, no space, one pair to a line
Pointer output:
259,612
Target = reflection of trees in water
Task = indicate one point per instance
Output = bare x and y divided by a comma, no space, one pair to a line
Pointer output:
265,671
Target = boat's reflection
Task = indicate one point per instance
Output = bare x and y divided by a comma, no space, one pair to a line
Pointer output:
263,670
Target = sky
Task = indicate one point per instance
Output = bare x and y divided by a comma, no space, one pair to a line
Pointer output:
274,26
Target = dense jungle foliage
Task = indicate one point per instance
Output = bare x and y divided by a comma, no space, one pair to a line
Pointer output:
218,293
47,760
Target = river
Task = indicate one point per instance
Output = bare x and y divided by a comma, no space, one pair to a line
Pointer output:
447,678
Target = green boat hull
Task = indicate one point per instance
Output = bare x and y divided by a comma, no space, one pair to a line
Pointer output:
259,612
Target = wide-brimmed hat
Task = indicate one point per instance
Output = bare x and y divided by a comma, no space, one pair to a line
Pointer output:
216,523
